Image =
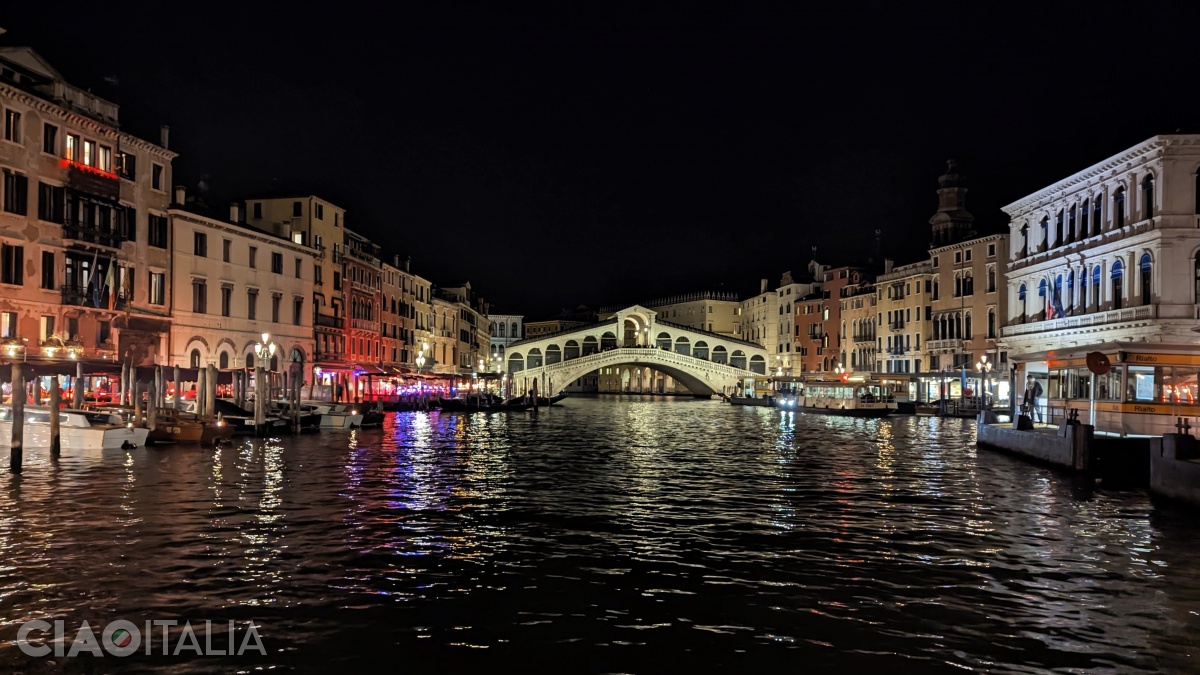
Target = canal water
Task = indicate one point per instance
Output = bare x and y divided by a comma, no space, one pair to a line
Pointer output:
603,536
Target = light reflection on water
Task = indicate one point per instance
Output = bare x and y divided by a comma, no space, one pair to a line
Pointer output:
609,536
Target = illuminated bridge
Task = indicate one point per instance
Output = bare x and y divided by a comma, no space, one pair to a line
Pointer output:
704,362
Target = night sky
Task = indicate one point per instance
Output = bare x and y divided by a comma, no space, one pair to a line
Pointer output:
617,153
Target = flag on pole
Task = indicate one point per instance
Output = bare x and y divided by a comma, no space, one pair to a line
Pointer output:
109,288
93,283
127,291
1056,302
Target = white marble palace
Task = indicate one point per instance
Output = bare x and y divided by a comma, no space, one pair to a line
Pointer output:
1106,260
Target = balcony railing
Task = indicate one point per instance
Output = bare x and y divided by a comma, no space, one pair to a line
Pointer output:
331,321
897,325
951,345
84,296
364,324
88,233
1139,313
864,337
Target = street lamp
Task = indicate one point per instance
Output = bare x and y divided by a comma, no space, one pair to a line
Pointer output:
840,369
265,350
984,368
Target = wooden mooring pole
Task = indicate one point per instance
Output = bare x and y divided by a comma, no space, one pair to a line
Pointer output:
55,402
18,419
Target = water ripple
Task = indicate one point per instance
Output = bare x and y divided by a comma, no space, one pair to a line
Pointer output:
607,536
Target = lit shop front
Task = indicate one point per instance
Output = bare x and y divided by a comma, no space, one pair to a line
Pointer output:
1141,393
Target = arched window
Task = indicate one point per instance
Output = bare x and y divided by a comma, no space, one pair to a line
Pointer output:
967,327
935,289
1119,208
1096,298
1097,213
223,360
1083,220
1021,293
991,279
991,327
514,332
1116,284
274,363
1071,225
1045,233
1145,270
250,361
1148,197
195,358
1043,297
1058,229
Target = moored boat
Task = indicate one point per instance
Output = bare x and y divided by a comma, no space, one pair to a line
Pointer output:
850,397
78,429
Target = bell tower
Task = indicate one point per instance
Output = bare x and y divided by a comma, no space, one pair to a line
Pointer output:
952,222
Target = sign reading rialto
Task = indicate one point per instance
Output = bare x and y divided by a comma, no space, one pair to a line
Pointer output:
124,638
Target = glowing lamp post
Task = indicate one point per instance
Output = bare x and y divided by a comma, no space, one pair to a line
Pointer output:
984,368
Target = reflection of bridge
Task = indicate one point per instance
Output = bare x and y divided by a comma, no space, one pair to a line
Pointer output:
703,362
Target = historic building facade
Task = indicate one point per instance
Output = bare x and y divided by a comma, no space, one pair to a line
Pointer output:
858,311
232,284
1106,260
905,298
83,230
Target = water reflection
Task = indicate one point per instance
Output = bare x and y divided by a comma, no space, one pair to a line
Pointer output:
614,536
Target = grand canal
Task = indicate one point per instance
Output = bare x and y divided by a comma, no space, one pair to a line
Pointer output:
606,536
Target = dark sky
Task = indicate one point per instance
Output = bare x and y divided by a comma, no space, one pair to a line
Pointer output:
599,153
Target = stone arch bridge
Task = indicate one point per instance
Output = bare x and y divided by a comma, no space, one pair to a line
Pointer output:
704,362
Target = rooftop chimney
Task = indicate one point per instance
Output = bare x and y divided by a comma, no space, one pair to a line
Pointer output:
164,135
763,286
235,212
180,194
396,261
407,263
887,265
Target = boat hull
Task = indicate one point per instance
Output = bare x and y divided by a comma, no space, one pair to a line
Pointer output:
849,412
740,400
75,438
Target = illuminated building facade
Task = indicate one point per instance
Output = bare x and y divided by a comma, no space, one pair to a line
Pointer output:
1106,260
84,250
232,283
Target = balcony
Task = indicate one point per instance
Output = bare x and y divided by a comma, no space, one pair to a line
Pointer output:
1139,313
864,337
337,322
82,296
946,346
897,325
362,255
78,231
365,324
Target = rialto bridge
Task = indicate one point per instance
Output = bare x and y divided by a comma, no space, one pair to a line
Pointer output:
705,363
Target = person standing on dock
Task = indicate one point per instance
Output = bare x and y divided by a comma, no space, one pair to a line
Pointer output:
1033,391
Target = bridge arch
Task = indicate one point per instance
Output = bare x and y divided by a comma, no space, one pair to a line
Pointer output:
738,359
571,350
683,346
516,363
663,340
533,358
590,345
720,354
700,350
608,340
700,377
553,354
758,364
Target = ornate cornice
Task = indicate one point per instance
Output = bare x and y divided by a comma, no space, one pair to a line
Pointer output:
101,130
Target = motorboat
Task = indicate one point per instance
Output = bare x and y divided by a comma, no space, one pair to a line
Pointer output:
765,401
77,429
241,420
336,415
372,415
485,403
850,397
310,415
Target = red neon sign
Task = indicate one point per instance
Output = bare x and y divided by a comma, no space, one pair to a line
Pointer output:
67,163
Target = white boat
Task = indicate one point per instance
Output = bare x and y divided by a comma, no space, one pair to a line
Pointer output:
335,415
77,429
851,397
